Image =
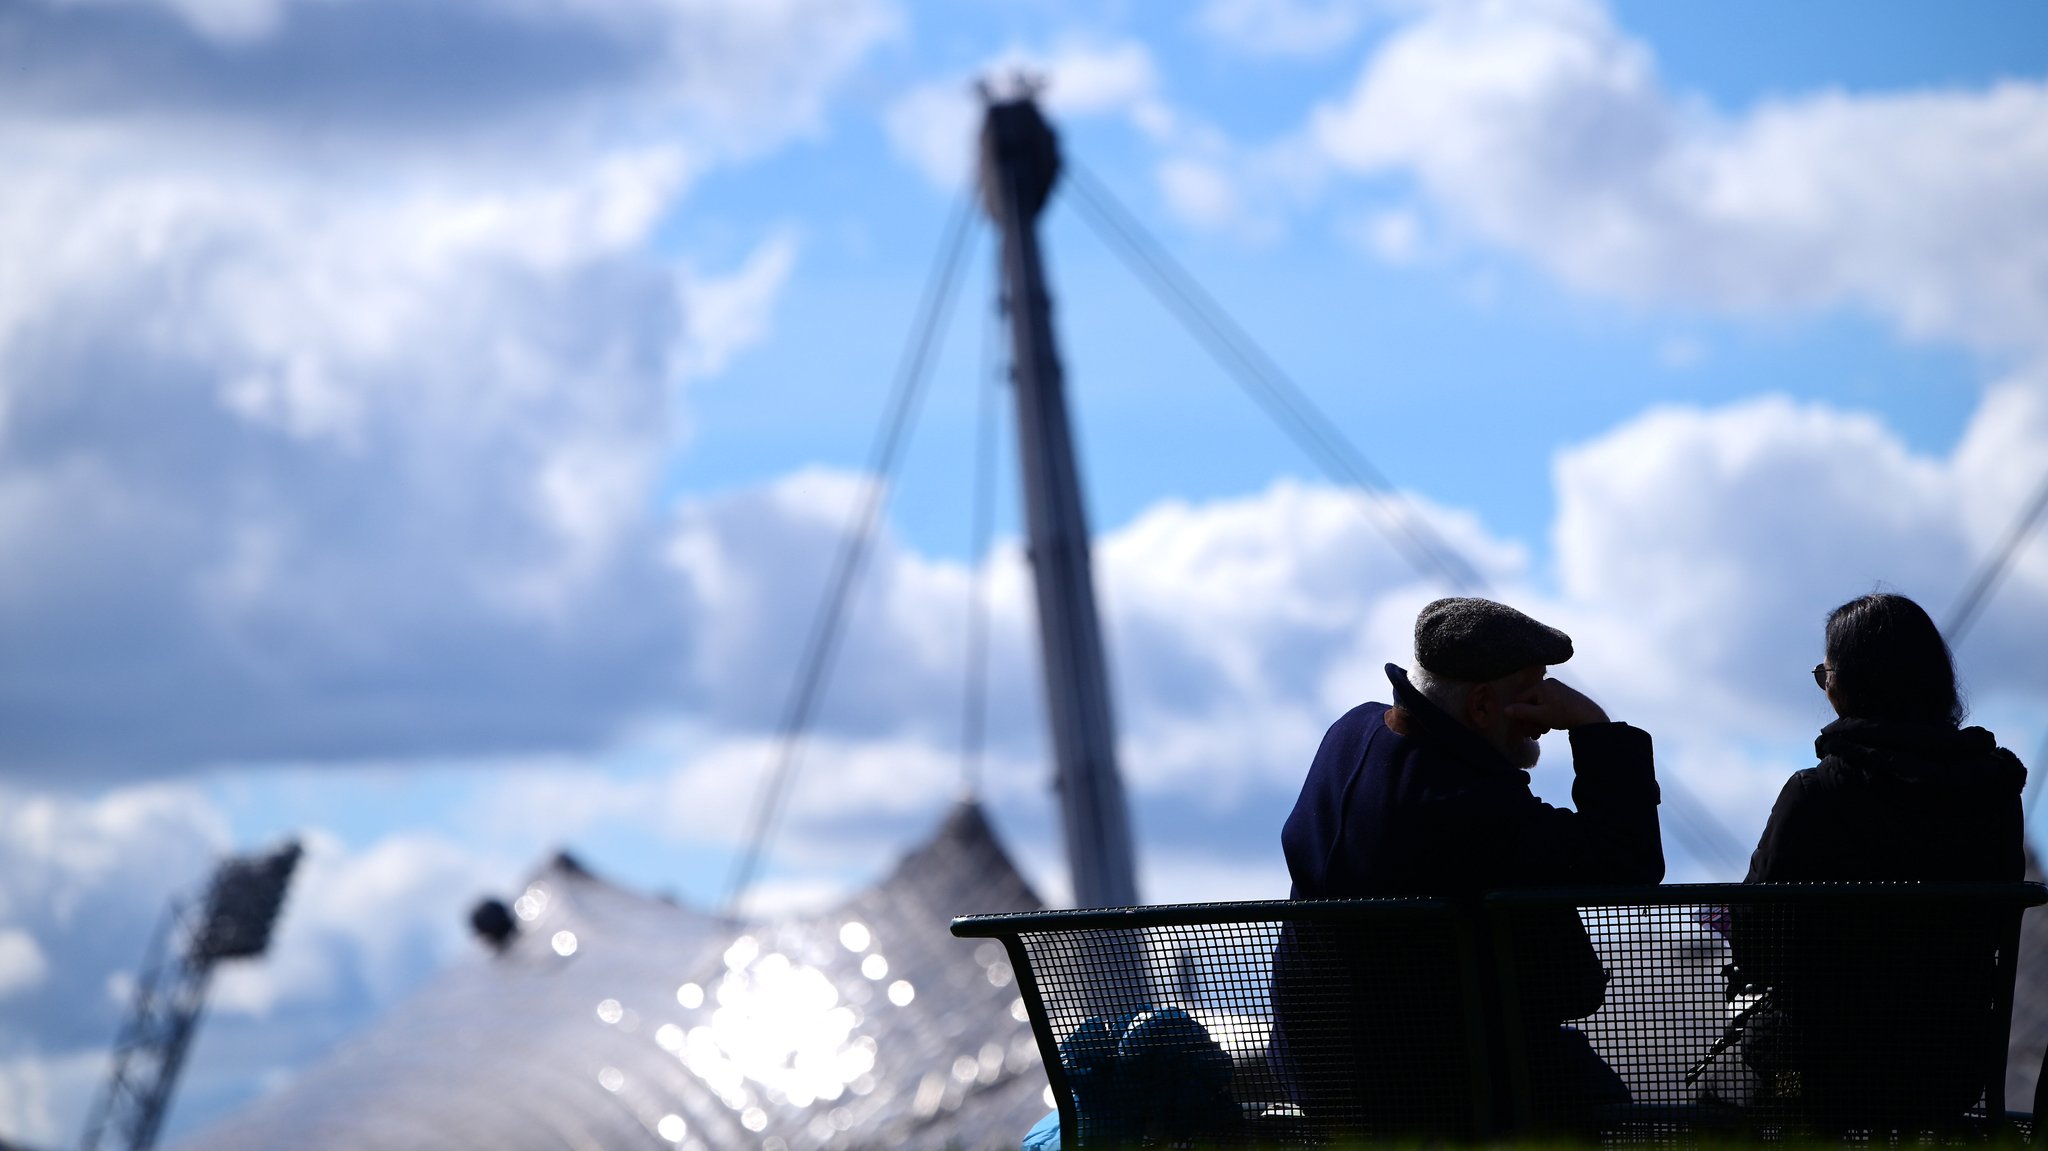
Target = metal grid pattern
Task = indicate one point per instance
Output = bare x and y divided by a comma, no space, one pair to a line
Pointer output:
1253,1021
1638,1015
1781,1010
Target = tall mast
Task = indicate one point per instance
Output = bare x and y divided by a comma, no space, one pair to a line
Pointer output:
1019,162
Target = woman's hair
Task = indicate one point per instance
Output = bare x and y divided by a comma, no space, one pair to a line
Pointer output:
1890,662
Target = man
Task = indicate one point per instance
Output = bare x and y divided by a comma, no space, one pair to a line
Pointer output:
1429,796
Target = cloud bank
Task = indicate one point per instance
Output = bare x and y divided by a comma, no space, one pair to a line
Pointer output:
1545,129
334,419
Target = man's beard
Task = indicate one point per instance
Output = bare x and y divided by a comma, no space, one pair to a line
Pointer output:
1524,753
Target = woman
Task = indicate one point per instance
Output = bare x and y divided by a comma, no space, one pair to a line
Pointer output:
1902,792
1869,1013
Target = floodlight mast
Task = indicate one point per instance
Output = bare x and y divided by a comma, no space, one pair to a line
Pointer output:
232,919
1019,163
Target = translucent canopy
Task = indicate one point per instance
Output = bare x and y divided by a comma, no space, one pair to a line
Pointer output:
614,1020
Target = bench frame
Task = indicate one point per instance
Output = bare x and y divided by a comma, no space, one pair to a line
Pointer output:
1010,929
1485,920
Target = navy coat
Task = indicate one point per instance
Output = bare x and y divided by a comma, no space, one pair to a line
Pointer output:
1441,812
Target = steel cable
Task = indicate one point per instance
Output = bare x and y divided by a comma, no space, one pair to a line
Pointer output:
1283,401
828,625
1704,835
1994,568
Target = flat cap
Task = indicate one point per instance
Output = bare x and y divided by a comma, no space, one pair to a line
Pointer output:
1474,640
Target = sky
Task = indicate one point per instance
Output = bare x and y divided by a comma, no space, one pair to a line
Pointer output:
425,430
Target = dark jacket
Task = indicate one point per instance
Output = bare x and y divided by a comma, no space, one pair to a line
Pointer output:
1883,1011
1897,802
1441,812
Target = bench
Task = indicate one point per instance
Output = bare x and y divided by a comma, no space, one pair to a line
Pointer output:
1857,1011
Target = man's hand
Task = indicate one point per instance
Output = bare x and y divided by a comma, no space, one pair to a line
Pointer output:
1556,705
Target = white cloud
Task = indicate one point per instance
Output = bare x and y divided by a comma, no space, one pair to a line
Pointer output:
1206,180
1543,128
22,963
524,81
1699,547
1252,600
1212,183
372,923
1696,551
721,27
1094,80
1199,192
1722,536
230,22
933,125
84,882
1239,625
1699,551
337,417
29,1084
290,435
725,315
1287,28
1393,236
1237,630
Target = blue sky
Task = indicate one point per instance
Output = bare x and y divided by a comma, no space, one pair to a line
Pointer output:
428,432
1371,342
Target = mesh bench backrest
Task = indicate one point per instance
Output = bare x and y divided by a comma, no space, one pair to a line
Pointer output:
1826,1007
1278,1022
1869,1006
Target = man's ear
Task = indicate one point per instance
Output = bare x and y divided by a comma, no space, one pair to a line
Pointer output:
1478,705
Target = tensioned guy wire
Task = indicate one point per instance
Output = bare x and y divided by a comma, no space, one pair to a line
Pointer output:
1703,834
1994,568
1283,401
829,623
1298,416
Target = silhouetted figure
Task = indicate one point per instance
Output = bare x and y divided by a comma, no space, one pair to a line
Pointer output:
1882,1018
1430,796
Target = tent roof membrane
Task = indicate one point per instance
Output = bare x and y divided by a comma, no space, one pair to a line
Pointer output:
614,1020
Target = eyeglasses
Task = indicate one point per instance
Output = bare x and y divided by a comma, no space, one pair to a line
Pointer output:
1820,676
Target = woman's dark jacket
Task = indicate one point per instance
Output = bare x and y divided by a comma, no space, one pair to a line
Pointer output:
1897,802
1887,1007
